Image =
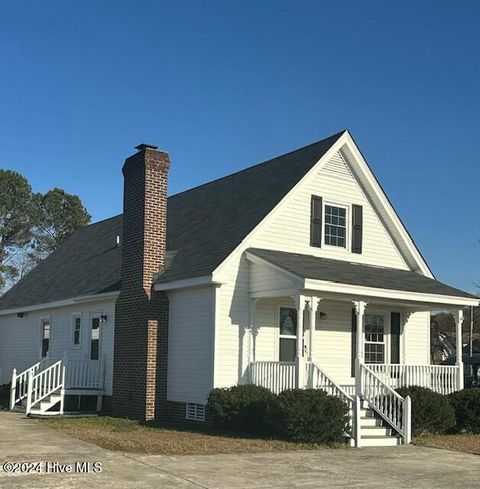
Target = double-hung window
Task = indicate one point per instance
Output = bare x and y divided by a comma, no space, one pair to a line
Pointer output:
335,231
374,338
76,330
45,332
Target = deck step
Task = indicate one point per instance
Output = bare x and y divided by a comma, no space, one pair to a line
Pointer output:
380,441
375,431
370,421
50,402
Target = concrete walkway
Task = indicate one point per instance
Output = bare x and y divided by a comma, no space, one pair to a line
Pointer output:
23,439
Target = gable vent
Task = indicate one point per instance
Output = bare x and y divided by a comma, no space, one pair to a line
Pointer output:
195,412
337,165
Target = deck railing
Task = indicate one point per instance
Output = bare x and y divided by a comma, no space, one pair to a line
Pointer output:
439,378
390,405
44,383
43,378
276,376
84,374
19,384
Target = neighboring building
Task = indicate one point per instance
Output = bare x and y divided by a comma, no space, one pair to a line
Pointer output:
150,310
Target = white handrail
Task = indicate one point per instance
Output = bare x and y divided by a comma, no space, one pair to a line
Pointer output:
19,383
390,405
44,383
439,378
319,379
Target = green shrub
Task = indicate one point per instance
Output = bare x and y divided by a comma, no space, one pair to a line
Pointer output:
4,396
241,407
466,404
431,412
309,415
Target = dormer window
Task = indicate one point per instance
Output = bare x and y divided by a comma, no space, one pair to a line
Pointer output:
335,232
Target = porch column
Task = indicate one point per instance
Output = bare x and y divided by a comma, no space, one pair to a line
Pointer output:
314,303
360,312
252,331
458,315
299,362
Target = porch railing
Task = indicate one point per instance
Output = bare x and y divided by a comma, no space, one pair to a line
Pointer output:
439,378
84,374
319,379
390,405
276,376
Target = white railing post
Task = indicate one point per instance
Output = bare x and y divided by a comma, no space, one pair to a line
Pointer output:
299,362
13,389
62,390
459,348
28,407
357,430
407,422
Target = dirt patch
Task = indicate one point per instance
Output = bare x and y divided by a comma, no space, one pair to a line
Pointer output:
462,442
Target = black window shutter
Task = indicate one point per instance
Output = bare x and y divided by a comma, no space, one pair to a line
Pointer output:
395,337
357,228
354,339
316,221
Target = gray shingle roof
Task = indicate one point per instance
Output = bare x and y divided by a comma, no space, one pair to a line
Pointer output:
344,272
205,224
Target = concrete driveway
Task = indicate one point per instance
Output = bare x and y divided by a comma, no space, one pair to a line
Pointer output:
24,440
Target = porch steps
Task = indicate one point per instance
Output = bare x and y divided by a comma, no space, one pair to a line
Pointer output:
45,406
374,432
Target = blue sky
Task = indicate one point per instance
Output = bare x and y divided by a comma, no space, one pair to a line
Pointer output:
224,85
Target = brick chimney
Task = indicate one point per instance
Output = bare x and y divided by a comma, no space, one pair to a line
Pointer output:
141,314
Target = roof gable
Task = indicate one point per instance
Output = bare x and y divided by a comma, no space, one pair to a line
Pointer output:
358,169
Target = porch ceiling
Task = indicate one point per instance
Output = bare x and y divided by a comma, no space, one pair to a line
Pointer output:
355,279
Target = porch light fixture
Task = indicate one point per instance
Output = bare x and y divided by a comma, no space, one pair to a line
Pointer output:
322,315
103,318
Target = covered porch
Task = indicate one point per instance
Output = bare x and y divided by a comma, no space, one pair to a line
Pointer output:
357,331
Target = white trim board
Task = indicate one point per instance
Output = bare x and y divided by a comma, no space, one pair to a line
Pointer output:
65,302
345,290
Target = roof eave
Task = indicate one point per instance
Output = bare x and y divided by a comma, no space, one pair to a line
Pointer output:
203,281
60,303
401,295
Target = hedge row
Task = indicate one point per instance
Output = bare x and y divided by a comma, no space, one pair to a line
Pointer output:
311,415
303,415
439,414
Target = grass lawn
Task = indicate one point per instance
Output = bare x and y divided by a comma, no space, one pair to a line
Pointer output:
133,436
462,442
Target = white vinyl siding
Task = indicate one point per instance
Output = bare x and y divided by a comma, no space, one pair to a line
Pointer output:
288,228
231,343
417,339
21,338
190,350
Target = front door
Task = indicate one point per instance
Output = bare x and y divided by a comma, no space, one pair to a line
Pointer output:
287,334
95,337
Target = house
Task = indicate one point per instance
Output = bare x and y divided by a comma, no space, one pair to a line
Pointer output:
296,272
